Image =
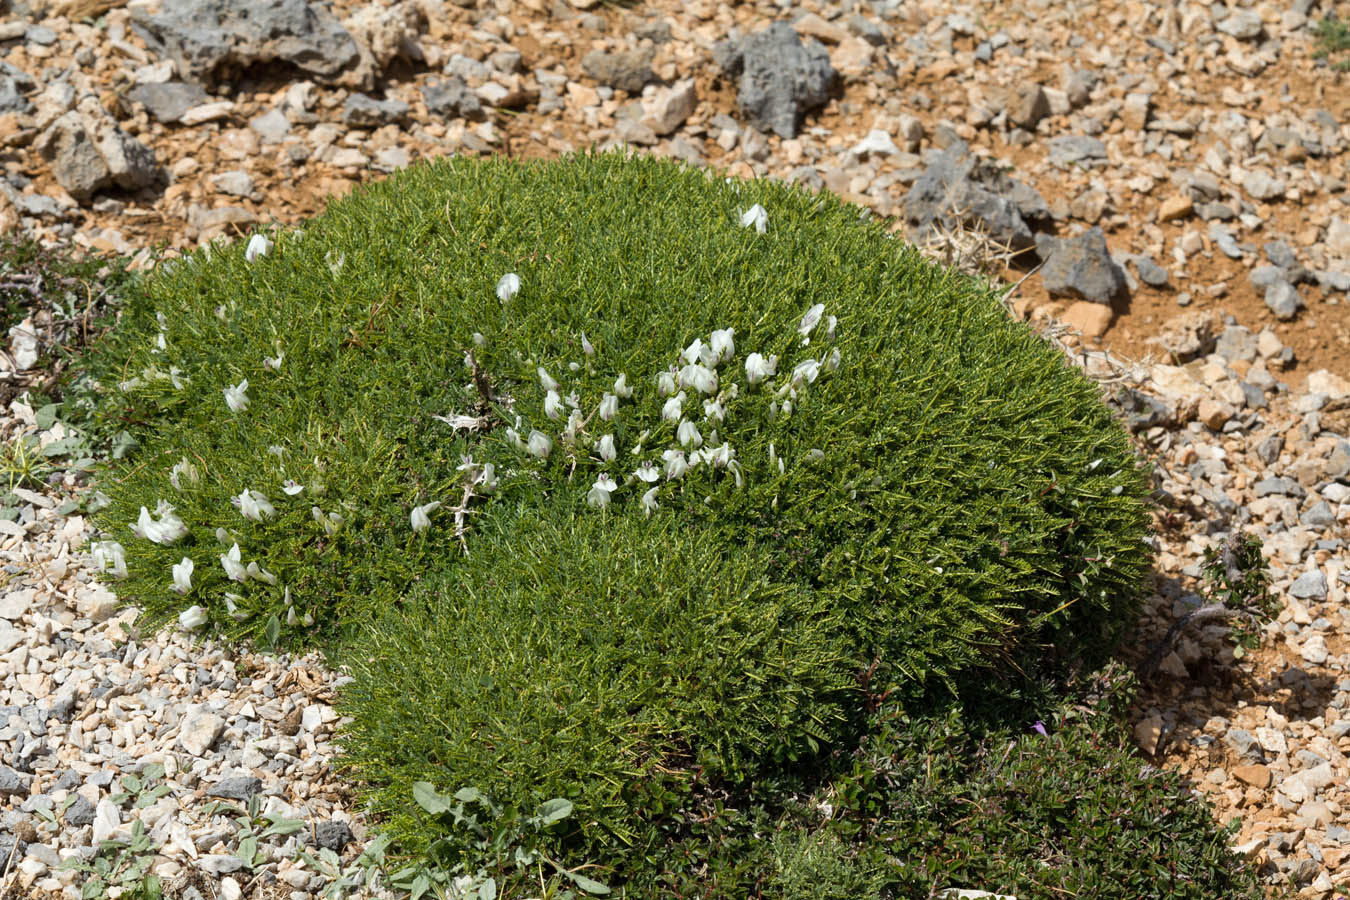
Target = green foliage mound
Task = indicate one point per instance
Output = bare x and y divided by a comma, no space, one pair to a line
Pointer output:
606,483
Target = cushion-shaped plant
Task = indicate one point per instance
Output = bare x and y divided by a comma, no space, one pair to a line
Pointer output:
604,468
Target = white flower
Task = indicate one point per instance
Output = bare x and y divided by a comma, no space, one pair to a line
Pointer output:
276,450
649,504
694,352
699,377
259,573
647,472
735,469
621,387
598,495
586,346
609,407
811,319
235,398
290,487
420,521
605,448
514,437
665,384
723,345
182,576
224,537
508,286
160,345
231,607
183,470
487,478
673,408
805,371
815,455
688,436
714,411
253,505
539,444
833,360
234,569
274,362
757,368
574,422
757,216
291,617
335,266
676,464
175,378
547,380
168,529
192,618
720,457
258,245
110,558
553,405
830,322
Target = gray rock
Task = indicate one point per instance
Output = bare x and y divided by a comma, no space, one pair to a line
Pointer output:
1264,276
14,783
236,787
272,126
12,847
452,98
1215,211
75,162
1269,449
1282,485
1279,254
1223,239
959,189
1082,267
782,78
1027,105
628,70
1243,24
1333,281
40,35
1075,148
12,99
88,153
1338,834
332,835
1244,744
81,812
1311,585
1150,273
235,182
213,40
366,112
168,101
217,864
1252,396
1283,300
1236,343
1319,516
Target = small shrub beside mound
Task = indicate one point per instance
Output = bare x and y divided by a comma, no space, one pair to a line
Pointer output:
609,485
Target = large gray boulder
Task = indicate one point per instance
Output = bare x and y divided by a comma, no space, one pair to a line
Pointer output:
87,152
212,40
959,190
782,78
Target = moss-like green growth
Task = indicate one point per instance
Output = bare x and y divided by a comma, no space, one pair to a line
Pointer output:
657,512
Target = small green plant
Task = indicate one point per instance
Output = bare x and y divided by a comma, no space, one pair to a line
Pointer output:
1236,583
23,464
142,789
501,843
124,865
364,872
1333,39
51,817
253,827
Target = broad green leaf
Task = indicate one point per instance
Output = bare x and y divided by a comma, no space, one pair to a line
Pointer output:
554,810
272,631
154,771
488,890
427,798
588,885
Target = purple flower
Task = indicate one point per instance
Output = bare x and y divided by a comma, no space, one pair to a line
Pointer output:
1039,727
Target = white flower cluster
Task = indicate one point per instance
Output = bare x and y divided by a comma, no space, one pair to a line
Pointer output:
702,379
